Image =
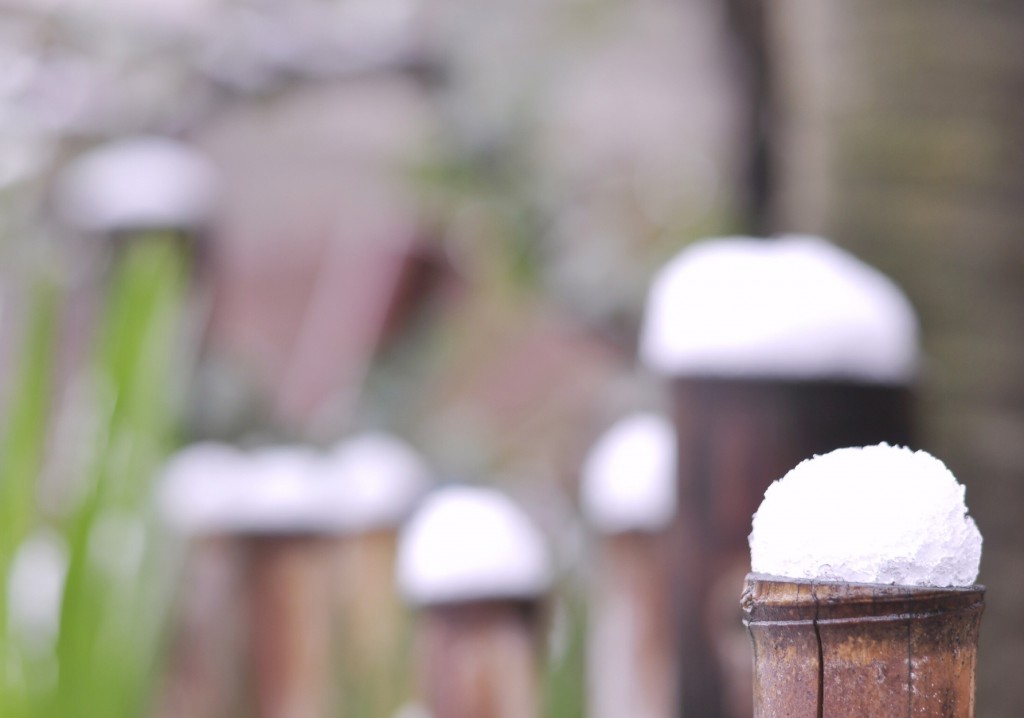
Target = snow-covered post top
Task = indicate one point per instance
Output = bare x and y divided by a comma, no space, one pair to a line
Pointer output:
477,568
629,496
877,514
137,184
865,560
277,506
795,307
381,478
211,488
468,544
629,476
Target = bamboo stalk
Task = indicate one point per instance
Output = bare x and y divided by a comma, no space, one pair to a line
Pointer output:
289,616
478,571
271,506
767,366
629,495
846,649
381,479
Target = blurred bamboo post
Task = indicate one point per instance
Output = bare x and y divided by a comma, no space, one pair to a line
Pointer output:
776,350
477,570
283,519
197,678
629,496
847,650
381,478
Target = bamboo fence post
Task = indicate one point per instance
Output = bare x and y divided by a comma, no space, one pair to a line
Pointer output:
629,497
776,350
199,674
847,649
382,478
477,570
864,603
282,519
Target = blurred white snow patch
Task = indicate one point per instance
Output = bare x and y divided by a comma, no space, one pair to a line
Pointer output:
35,589
198,484
378,479
283,492
878,514
146,182
795,307
629,476
466,543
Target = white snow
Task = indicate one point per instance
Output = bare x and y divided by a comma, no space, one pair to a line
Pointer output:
198,486
629,476
878,514
793,307
467,543
35,589
146,182
212,489
378,479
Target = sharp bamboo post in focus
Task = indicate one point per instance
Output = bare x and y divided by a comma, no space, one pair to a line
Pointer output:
776,350
850,650
865,603
477,570
628,494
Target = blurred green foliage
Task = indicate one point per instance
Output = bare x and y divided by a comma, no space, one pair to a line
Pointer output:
104,657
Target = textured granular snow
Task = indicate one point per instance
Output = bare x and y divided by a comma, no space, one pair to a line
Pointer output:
793,307
878,514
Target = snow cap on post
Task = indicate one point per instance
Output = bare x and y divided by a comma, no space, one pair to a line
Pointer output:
795,307
465,544
629,476
211,489
877,514
147,182
197,487
378,478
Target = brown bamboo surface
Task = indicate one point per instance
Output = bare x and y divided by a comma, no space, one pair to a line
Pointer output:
290,624
480,660
841,649
371,641
736,436
632,663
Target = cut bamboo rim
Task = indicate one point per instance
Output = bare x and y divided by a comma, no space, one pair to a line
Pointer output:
851,650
